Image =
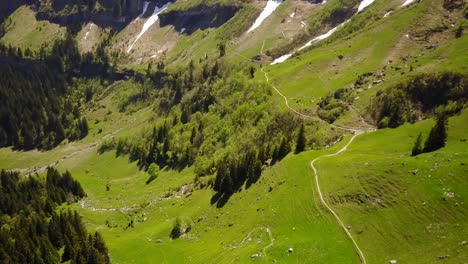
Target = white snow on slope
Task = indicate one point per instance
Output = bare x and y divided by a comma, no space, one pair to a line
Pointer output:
267,11
151,20
364,4
89,30
388,13
322,37
145,8
407,2
281,59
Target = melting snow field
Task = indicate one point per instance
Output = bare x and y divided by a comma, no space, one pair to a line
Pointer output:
362,6
89,30
281,59
322,37
267,11
153,18
407,2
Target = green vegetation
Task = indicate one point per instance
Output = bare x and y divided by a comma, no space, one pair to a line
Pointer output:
420,96
187,156
32,232
379,190
437,136
22,30
34,111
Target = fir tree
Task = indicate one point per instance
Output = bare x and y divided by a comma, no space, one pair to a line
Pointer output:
437,136
301,140
417,148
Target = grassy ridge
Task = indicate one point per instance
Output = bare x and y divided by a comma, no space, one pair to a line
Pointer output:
402,204
24,31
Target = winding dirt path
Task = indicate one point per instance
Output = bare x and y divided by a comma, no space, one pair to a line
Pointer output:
87,147
356,133
325,204
248,239
286,101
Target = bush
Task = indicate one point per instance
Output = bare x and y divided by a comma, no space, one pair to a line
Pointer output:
176,231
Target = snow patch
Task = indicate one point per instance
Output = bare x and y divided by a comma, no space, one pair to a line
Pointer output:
267,11
89,30
281,59
322,37
151,20
364,4
156,55
145,8
182,30
407,2
388,13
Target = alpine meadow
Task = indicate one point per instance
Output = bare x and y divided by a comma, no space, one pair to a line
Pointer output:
240,131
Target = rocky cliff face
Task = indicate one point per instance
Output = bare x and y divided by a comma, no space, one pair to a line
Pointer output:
74,13
199,17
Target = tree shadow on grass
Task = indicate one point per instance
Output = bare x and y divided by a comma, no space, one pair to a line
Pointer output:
220,199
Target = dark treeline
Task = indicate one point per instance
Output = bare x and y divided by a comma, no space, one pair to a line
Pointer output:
435,140
216,118
32,232
34,109
36,106
423,95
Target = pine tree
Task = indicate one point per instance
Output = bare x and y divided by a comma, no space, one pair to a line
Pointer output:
437,136
83,127
417,149
301,140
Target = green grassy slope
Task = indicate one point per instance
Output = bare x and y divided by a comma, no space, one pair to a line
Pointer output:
400,207
24,31
397,206
283,203
391,46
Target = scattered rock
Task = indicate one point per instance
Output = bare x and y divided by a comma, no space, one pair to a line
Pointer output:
444,257
255,255
159,241
415,171
463,243
270,189
393,261
349,227
290,250
449,194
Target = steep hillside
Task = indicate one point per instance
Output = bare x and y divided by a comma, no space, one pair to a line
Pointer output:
243,131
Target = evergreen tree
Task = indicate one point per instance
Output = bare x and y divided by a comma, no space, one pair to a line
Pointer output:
417,148
437,136
83,127
176,229
301,140
222,49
